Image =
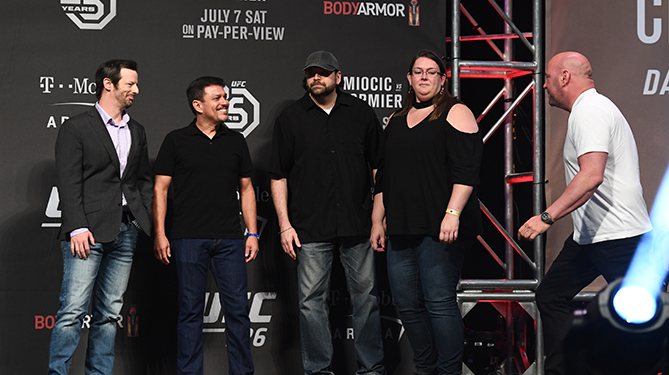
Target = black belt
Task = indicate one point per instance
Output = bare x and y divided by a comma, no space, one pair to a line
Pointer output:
127,216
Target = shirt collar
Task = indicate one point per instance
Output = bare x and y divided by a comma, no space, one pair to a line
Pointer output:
583,95
194,130
108,120
342,99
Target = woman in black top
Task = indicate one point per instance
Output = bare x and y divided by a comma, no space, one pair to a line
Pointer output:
426,195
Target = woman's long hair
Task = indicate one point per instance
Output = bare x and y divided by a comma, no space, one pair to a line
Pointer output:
441,100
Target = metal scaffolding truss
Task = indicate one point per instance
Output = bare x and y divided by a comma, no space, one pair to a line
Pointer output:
510,296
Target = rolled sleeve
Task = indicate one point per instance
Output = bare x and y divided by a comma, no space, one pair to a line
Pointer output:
465,151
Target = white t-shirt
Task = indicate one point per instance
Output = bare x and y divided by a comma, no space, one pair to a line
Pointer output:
617,209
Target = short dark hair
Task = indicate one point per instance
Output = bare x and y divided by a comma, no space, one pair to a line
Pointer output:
111,69
196,88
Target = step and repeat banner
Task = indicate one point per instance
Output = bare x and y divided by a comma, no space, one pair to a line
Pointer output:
627,44
49,52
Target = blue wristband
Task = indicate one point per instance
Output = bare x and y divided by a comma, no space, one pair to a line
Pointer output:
253,235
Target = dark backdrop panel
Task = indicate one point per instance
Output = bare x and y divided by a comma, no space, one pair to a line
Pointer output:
50,50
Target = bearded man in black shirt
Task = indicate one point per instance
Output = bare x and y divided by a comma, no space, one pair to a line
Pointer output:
325,149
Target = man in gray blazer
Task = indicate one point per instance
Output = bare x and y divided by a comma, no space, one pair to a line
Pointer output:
105,188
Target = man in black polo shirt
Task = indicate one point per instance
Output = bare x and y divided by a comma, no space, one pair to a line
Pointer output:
325,147
208,164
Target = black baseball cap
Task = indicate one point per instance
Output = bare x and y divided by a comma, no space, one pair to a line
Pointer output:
322,59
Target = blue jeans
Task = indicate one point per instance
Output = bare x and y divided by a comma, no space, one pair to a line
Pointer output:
104,274
424,274
314,265
225,257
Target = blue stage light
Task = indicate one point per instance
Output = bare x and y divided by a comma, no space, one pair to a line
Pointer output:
651,261
635,304
627,340
625,329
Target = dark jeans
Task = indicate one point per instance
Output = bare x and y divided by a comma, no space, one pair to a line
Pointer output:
575,267
194,258
424,275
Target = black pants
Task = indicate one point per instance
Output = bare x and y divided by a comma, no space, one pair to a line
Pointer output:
575,267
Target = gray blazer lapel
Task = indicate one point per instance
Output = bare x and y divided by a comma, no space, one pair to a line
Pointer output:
134,142
101,130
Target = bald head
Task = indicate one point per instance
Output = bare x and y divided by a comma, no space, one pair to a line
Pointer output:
568,75
577,64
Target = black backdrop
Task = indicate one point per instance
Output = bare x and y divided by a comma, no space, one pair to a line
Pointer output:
50,50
